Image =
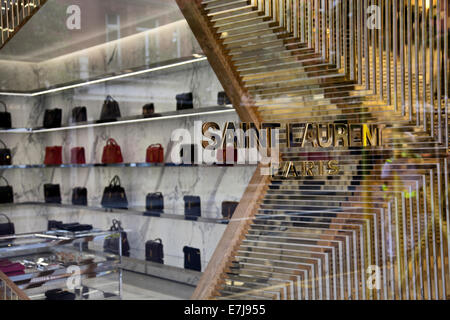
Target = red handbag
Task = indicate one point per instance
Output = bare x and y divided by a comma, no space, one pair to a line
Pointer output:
222,155
53,155
77,155
112,152
155,154
11,269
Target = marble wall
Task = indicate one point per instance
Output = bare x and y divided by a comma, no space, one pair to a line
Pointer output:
212,184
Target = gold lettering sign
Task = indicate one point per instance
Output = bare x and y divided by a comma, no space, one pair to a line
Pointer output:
308,169
298,135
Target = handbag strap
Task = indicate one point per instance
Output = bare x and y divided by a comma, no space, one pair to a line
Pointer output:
116,225
4,144
115,181
111,141
4,105
4,215
109,98
7,182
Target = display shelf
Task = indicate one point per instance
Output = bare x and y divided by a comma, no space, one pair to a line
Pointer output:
119,165
35,241
163,271
49,259
131,211
126,120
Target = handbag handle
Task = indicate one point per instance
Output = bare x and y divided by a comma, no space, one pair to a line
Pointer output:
4,144
111,141
156,145
7,182
109,98
117,225
158,240
115,181
4,105
4,215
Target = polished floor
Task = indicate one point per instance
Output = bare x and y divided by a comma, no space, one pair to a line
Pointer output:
142,287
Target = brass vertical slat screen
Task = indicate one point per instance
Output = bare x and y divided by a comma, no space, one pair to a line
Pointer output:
14,14
344,62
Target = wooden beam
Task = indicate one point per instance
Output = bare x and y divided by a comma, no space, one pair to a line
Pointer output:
220,62
15,289
242,217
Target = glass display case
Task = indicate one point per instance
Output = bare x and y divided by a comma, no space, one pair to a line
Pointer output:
75,263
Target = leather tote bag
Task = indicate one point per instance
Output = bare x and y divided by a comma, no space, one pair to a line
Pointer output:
155,154
53,155
112,152
148,110
79,196
77,155
154,251
185,101
192,259
110,110
192,207
222,99
228,208
111,244
79,114
52,118
114,196
5,155
6,192
5,117
52,193
154,204
6,229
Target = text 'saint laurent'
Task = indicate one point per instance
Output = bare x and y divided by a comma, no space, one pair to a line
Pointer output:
301,135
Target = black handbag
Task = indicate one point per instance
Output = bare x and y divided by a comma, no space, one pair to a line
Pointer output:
148,110
228,208
6,193
114,196
5,155
222,99
5,118
185,101
188,153
54,225
154,251
192,259
52,193
111,244
52,118
79,114
110,110
154,204
6,229
59,294
192,208
76,227
79,196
